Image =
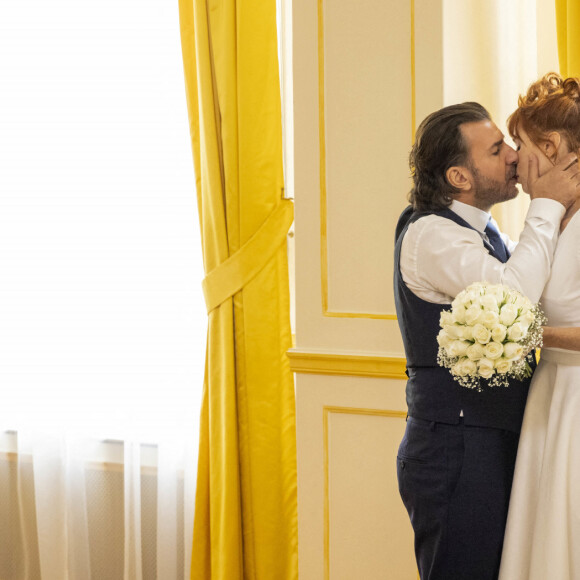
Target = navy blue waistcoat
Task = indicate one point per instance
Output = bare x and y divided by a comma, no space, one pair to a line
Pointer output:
432,393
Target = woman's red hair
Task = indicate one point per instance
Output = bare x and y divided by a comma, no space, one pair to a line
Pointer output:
551,104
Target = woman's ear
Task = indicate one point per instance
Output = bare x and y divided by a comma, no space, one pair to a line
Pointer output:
551,146
460,178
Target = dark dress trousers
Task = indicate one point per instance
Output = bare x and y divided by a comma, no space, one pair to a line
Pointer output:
456,461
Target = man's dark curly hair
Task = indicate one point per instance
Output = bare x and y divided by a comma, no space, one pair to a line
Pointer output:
439,145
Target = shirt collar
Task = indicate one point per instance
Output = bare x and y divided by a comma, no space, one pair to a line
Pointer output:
475,217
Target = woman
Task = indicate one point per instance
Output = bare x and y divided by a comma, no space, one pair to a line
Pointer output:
542,538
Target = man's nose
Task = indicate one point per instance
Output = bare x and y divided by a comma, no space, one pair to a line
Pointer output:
512,156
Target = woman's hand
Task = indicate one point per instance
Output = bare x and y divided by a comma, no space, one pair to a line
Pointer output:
559,183
563,337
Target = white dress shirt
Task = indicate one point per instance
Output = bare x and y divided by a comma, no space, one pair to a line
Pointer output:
440,258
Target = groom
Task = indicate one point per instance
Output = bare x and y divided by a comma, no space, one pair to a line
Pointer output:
456,460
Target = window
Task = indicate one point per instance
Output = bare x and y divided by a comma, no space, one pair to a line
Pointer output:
102,321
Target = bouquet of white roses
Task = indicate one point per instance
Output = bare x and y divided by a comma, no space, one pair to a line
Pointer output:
488,334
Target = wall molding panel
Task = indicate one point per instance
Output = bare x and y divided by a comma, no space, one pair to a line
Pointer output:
364,74
342,129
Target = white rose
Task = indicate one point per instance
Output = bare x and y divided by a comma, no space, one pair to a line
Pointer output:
511,297
472,314
475,351
513,350
443,339
526,318
493,350
498,291
508,314
524,328
498,332
516,331
459,314
502,365
457,369
481,319
521,302
473,294
454,330
464,367
467,333
461,301
446,318
489,319
489,302
468,367
458,348
481,334
485,368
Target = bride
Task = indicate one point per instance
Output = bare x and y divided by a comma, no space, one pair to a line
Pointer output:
542,539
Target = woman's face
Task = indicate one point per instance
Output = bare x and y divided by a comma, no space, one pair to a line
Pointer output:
525,148
547,153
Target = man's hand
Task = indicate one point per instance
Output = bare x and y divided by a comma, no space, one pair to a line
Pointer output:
561,182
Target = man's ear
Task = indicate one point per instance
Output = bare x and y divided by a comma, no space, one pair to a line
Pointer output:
460,178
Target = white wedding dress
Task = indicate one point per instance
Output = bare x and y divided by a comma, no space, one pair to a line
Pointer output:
542,540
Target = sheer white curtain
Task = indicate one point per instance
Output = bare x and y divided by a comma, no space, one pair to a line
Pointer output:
102,322
493,50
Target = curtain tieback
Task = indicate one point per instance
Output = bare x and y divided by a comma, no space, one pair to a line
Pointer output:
235,272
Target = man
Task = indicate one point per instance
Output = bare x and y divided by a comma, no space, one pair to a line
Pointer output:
455,463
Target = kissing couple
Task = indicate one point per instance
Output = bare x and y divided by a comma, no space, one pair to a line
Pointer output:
489,476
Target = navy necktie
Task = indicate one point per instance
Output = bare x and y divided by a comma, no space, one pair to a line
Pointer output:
496,242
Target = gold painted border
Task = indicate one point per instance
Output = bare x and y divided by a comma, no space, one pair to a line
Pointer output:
322,141
319,363
326,410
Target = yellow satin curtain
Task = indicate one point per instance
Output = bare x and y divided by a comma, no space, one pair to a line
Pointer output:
568,28
245,513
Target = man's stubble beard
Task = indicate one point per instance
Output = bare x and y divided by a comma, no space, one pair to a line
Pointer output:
488,191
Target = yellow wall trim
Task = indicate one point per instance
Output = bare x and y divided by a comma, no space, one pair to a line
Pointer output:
320,363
